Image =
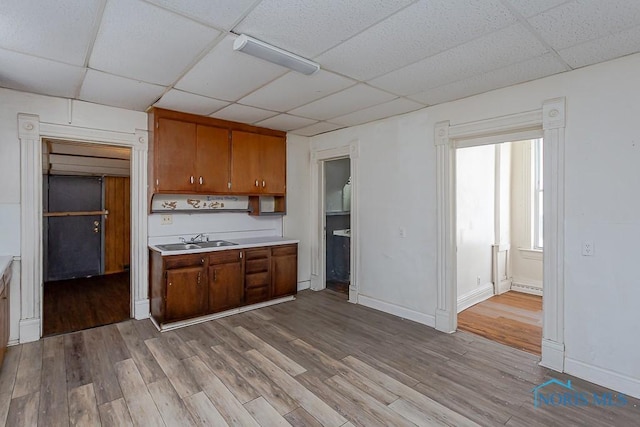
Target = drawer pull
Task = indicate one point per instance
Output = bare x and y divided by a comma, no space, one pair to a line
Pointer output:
257,183
191,179
263,183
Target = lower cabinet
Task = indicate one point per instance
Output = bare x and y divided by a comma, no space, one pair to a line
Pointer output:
225,280
188,286
284,270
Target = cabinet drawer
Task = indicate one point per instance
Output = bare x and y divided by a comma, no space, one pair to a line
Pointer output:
256,266
254,295
284,250
251,254
222,257
256,280
178,261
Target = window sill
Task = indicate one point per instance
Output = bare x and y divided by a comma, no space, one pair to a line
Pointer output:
534,254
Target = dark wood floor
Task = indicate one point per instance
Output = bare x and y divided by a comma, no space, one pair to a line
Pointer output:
77,304
318,360
340,287
513,318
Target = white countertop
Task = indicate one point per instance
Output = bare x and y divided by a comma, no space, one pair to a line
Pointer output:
5,261
250,242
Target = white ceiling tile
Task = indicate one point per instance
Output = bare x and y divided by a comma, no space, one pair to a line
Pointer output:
388,109
217,13
529,8
318,128
227,74
285,122
189,103
107,89
427,28
31,74
144,42
499,49
344,102
243,114
604,49
294,89
60,30
580,21
308,28
532,69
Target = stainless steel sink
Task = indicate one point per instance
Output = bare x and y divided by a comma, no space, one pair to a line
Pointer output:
199,245
179,246
216,244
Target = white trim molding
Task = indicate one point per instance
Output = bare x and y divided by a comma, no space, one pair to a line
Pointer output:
396,310
318,241
605,377
548,121
475,296
30,132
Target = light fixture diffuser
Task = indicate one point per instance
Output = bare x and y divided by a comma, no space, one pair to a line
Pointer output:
273,54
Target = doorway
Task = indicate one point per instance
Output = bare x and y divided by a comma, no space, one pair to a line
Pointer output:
86,235
499,208
337,219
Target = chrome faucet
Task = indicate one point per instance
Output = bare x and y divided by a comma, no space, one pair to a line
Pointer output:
199,238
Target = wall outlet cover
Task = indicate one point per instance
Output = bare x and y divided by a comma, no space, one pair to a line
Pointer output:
166,219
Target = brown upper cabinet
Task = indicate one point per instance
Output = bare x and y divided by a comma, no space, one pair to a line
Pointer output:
192,154
258,164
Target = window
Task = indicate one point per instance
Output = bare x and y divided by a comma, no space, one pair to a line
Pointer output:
537,193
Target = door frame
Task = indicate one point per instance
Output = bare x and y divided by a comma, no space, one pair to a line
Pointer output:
318,238
31,131
550,119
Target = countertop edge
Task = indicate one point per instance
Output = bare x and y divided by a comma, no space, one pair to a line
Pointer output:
240,245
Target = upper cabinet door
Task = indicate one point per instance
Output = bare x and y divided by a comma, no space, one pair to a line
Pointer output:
245,163
175,154
273,164
212,160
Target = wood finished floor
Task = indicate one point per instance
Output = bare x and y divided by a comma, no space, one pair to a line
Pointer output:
315,361
77,304
513,319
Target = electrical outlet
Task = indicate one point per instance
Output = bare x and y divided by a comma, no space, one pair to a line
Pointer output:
587,248
402,232
166,219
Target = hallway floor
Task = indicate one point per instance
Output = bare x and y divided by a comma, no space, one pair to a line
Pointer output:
77,304
513,319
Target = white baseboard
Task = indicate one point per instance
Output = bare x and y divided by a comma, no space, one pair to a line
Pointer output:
604,377
480,294
396,310
552,355
29,330
304,285
141,309
445,322
527,288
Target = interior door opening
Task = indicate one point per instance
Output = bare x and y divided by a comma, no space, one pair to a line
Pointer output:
499,193
337,220
86,235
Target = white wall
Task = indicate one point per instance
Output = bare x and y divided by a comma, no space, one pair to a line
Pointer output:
397,188
526,264
475,207
297,221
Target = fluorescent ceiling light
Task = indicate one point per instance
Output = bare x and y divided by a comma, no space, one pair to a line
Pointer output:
274,54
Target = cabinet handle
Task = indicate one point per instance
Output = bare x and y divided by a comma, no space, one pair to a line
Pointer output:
170,283
201,260
240,255
263,183
191,179
198,277
257,185
201,181
215,275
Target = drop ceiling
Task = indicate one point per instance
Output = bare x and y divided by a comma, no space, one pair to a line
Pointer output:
378,58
